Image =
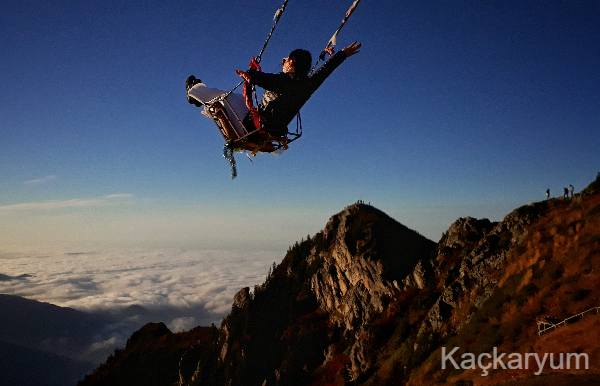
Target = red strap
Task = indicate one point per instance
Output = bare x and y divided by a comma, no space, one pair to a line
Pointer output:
256,117
254,64
329,50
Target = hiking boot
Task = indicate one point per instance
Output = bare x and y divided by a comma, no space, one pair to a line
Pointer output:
190,82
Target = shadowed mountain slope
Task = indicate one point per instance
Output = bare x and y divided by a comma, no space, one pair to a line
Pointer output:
41,344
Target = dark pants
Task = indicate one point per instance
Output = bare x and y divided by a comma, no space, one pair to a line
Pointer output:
250,127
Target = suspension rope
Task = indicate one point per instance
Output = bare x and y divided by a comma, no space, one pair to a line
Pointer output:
329,48
276,18
257,59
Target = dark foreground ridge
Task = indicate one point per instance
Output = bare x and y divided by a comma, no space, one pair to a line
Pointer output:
368,301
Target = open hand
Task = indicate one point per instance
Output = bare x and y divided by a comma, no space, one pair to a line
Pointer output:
243,75
352,49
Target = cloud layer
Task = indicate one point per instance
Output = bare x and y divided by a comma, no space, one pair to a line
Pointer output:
182,288
156,279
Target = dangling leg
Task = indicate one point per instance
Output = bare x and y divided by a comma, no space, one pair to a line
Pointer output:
229,111
255,135
198,92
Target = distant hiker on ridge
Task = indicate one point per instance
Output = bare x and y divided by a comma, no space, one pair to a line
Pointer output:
572,190
547,193
566,193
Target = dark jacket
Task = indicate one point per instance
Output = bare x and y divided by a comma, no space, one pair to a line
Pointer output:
285,94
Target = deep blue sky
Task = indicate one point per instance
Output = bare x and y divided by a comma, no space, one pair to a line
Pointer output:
451,109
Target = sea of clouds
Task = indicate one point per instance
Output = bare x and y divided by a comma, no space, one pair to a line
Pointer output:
182,288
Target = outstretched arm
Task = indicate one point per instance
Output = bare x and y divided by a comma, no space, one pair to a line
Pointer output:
319,76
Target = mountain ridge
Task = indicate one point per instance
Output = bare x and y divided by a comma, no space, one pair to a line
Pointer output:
368,301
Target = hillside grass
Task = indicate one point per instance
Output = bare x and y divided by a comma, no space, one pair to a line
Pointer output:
554,273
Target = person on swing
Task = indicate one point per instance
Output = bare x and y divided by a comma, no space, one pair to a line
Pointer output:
286,92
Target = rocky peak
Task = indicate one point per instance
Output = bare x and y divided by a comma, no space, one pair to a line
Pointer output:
460,239
465,231
242,298
148,332
367,255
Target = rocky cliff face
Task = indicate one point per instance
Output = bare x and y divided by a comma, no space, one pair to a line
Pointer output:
477,250
494,281
368,301
359,273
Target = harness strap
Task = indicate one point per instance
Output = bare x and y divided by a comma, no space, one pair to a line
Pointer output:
248,89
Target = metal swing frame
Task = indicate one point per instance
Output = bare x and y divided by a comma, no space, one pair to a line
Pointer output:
254,141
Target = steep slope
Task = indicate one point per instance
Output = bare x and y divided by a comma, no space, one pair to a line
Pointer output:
549,272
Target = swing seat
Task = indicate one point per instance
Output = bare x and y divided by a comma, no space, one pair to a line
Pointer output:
227,110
